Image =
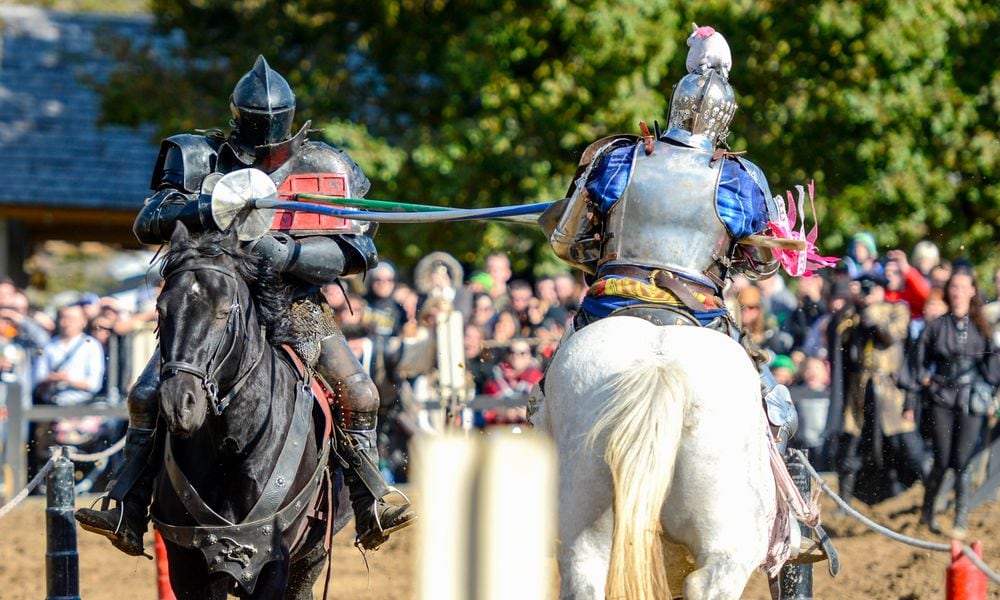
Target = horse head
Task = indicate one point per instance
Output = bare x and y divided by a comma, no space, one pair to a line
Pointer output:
206,320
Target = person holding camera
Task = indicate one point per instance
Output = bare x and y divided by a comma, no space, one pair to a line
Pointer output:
877,422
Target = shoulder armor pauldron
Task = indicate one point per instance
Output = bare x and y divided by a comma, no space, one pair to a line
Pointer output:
194,156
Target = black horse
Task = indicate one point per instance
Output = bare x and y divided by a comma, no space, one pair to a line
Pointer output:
245,459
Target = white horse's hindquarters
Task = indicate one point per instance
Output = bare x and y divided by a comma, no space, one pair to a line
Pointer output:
721,484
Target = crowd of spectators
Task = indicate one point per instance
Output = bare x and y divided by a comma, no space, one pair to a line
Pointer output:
891,361
63,358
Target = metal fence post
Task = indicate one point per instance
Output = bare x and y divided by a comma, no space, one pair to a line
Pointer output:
62,562
796,579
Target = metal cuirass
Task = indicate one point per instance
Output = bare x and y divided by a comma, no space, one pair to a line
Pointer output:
667,218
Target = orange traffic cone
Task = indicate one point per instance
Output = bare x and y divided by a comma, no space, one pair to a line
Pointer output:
965,580
163,589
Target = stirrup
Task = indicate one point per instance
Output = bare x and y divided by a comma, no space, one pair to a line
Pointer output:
820,547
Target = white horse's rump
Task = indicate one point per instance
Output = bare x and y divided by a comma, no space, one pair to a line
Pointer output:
665,425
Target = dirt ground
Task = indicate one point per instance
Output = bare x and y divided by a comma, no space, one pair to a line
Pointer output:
873,566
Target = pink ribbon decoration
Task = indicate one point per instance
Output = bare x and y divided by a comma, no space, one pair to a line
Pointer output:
798,263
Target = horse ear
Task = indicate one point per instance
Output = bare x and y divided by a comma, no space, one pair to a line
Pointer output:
180,234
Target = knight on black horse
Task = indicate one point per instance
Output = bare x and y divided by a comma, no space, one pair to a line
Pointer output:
306,255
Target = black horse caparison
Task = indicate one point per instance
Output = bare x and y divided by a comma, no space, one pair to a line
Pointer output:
242,463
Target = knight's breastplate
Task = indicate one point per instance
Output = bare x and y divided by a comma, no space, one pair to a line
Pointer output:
666,218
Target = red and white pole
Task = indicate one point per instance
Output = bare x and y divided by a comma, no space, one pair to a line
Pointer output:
965,580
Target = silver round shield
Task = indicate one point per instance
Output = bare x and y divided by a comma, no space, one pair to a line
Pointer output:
233,199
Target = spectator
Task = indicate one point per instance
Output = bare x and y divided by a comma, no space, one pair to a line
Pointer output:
506,327
520,294
387,315
408,299
513,379
961,368
479,362
439,275
549,335
925,257
483,313
28,333
810,309
763,332
498,268
862,255
545,290
71,368
783,369
568,292
877,421
777,301
812,400
940,274
70,371
480,283
905,284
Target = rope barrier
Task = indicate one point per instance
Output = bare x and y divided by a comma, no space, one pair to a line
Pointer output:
96,456
37,479
75,457
893,535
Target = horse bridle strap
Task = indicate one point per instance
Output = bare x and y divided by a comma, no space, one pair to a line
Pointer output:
208,374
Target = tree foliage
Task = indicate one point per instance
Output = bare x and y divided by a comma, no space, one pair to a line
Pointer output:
891,106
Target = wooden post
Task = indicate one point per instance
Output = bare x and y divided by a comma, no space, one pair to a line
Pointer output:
488,516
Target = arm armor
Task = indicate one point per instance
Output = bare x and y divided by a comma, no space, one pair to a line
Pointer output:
183,162
570,224
572,236
155,222
317,259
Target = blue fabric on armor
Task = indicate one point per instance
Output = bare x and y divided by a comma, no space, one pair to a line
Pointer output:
610,177
740,201
603,306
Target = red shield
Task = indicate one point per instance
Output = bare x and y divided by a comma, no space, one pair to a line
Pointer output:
303,223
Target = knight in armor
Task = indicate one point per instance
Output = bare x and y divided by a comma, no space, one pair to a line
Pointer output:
263,106
660,222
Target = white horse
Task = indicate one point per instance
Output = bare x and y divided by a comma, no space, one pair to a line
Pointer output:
663,448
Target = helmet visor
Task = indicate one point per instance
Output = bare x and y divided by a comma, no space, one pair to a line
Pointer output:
263,128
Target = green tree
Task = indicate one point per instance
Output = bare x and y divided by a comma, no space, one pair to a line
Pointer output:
891,106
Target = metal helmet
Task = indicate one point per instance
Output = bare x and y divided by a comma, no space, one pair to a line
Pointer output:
701,109
263,106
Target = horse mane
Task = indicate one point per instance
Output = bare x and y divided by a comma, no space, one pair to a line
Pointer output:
270,295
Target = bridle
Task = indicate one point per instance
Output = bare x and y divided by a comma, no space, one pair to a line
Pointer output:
209,374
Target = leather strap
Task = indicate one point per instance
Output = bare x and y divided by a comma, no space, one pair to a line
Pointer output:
283,474
199,510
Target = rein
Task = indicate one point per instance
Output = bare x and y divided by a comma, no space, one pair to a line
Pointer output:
209,374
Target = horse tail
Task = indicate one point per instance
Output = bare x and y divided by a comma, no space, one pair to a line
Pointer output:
642,422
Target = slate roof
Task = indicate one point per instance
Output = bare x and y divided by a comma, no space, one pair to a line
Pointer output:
53,152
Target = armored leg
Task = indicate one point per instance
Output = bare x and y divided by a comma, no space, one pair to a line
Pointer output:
126,523
374,518
781,413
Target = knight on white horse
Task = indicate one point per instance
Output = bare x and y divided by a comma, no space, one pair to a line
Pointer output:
659,223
